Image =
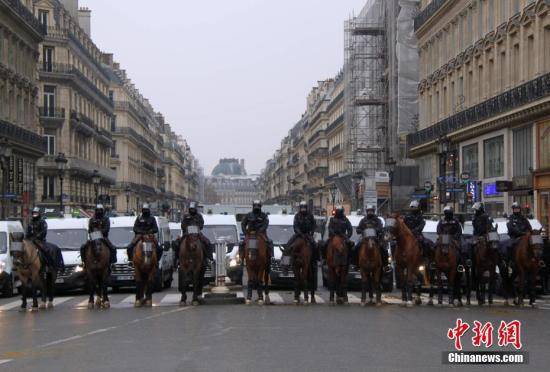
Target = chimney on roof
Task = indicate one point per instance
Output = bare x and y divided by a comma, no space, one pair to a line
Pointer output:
85,20
72,7
107,59
116,65
242,167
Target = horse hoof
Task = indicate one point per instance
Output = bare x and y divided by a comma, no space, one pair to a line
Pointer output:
378,304
296,302
260,302
149,303
506,303
409,303
248,301
90,305
418,302
195,303
42,306
34,309
267,300
23,309
460,304
452,304
183,303
363,303
313,300
430,303
534,305
50,305
106,305
468,303
137,303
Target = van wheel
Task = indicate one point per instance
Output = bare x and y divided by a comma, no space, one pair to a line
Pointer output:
8,289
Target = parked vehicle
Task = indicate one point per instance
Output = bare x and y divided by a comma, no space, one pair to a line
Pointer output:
280,230
69,234
223,228
8,277
354,274
121,235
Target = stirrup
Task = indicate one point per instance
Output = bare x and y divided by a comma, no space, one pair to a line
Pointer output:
460,268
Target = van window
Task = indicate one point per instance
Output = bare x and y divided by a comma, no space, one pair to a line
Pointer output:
121,236
3,242
280,234
175,234
68,239
227,232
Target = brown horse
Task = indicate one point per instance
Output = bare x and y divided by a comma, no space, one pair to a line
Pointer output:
32,272
370,264
338,268
255,257
446,261
190,269
97,270
528,261
303,272
408,257
145,267
485,261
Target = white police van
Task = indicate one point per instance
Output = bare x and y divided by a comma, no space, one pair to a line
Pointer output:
224,227
280,230
121,234
69,234
8,278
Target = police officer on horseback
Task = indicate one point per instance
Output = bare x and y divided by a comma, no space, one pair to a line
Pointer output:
194,218
371,221
145,224
339,225
37,230
518,225
304,226
482,222
100,222
450,225
258,222
414,220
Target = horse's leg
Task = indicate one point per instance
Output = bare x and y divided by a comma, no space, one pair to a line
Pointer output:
331,284
439,287
378,286
182,285
34,284
403,284
311,281
410,284
43,288
24,291
105,289
451,282
249,284
468,284
266,288
492,279
259,286
197,285
344,282
531,278
363,287
297,284
521,286
431,278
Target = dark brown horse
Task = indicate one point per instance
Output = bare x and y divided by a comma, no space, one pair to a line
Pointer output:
370,264
32,272
255,257
528,261
446,261
145,267
190,269
408,257
97,270
485,262
338,268
303,272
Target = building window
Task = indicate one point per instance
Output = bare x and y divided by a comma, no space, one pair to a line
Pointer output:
48,59
493,153
113,123
43,17
51,144
48,191
523,151
470,161
49,100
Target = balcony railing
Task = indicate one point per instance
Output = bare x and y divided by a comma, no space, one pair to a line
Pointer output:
137,137
428,12
52,112
524,94
315,136
21,135
18,7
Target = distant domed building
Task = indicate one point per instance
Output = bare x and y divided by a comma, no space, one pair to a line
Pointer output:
229,167
229,184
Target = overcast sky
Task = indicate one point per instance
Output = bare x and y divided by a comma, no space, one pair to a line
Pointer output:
231,76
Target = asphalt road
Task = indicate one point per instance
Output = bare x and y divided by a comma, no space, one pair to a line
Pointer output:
281,337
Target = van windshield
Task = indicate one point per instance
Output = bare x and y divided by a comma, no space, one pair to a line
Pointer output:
226,232
280,234
67,239
3,243
121,236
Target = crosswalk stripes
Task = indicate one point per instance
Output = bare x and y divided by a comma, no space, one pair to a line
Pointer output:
10,305
319,299
276,298
353,299
59,300
169,299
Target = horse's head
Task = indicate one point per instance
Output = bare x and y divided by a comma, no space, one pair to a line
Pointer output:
147,243
17,248
391,228
536,244
95,242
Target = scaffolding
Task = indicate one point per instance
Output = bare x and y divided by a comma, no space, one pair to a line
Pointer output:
366,90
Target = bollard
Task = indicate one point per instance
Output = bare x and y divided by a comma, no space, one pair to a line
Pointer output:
221,271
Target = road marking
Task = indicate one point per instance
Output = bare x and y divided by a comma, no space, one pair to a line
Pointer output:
83,303
276,298
319,299
60,300
4,361
172,298
240,294
353,299
10,305
128,300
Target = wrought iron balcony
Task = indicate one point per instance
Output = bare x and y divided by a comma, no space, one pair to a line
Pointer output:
428,12
52,112
514,98
18,7
23,136
136,136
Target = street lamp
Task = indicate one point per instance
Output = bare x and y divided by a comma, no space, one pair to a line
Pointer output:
443,146
61,163
96,179
5,155
128,190
391,169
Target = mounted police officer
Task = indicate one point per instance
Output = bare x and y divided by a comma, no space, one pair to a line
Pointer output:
304,226
100,222
258,222
37,230
414,220
371,221
194,218
339,225
518,225
145,224
482,222
450,225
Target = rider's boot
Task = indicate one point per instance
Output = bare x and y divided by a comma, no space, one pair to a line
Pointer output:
241,252
83,255
270,253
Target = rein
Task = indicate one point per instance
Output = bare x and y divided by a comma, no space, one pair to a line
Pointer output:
26,265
